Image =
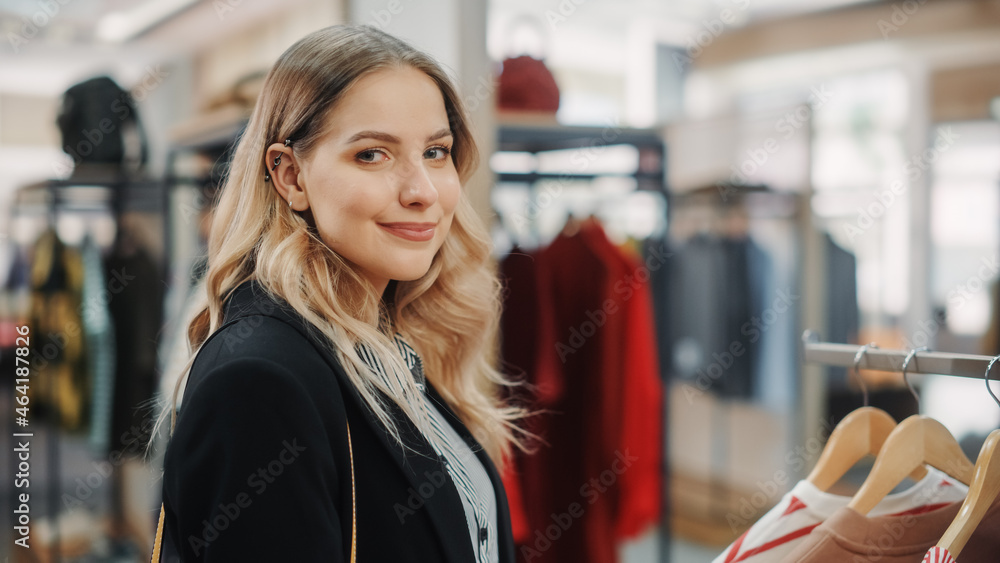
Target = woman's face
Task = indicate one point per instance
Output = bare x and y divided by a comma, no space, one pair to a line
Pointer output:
381,183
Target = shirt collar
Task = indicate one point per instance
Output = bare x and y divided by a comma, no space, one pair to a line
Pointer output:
409,355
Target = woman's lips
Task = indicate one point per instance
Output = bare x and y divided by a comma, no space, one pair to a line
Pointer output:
419,232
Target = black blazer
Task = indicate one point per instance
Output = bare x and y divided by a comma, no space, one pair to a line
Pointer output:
258,467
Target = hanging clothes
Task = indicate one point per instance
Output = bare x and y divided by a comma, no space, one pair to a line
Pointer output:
19,272
60,389
16,290
518,350
788,524
595,478
659,249
642,397
938,555
519,323
904,538
99,338
136,309
842,313
716,292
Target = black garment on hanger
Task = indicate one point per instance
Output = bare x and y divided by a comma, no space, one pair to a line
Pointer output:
714,299
841,303
136,308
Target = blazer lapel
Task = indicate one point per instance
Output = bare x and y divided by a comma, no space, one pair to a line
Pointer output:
419,459
444,507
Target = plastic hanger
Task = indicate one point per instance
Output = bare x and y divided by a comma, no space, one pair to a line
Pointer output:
861,433
917,441
983,491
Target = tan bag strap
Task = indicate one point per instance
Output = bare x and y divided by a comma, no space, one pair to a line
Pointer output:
354,506
158,542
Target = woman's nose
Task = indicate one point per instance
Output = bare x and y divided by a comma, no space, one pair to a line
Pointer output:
416,187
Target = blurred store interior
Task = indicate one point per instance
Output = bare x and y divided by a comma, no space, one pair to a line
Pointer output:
767,166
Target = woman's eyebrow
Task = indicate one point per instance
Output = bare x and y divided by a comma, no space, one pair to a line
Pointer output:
446,132
389,138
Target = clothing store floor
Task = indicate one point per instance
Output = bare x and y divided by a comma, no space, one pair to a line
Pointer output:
682,551
83,498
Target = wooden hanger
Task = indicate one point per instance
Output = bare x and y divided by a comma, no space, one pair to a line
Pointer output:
982,493
917,441
859,434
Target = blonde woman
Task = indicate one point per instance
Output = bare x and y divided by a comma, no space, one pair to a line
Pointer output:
341,396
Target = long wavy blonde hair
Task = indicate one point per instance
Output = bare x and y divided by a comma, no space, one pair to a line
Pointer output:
450,315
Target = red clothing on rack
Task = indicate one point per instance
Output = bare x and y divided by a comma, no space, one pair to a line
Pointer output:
515,502
596,478
642,427
518,350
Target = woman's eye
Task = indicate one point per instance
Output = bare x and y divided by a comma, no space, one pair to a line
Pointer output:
371,156
437,153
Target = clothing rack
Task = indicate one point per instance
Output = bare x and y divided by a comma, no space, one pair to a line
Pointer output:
922,362
104,193
649,176
89,194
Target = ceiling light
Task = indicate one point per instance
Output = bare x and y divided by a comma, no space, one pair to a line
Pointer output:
119,27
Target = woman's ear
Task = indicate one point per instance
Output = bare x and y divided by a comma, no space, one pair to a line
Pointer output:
284,172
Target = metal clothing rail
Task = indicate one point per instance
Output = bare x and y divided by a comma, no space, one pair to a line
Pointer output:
940,363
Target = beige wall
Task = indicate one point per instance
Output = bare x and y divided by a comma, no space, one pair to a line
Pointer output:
879,22
28,120
965,93
256,48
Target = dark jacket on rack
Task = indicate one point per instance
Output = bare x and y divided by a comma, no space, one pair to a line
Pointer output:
258,467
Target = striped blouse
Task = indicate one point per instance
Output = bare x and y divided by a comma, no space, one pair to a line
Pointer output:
464,468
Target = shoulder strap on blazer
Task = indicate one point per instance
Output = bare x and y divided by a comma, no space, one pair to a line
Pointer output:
158,542
354,505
